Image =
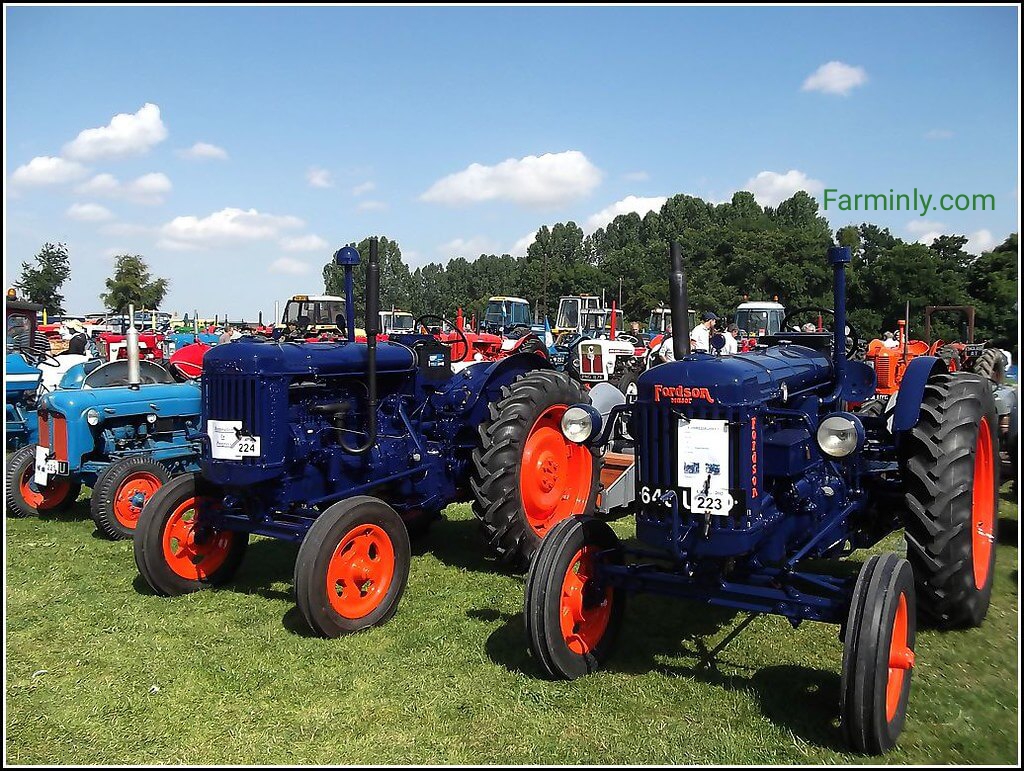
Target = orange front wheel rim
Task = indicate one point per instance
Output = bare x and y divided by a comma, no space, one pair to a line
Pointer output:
556,474
191,556
42,498
360,571
983,505
132,495
584,607
901,660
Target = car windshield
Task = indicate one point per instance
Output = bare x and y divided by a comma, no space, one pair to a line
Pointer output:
314,312
759,322
568,313
660,321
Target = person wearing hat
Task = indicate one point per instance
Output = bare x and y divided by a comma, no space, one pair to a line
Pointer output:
74,332
700,335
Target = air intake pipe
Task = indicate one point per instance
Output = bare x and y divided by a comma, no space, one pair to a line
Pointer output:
131,341
679,304
372,328
839,257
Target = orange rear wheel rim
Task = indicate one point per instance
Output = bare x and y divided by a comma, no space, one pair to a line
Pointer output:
901,660
556,474
584,610
42,498
190,557
360,571
132,494
983,513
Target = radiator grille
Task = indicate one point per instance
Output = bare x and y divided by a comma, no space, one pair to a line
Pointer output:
236,397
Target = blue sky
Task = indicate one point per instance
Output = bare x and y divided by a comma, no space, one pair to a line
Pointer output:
458,131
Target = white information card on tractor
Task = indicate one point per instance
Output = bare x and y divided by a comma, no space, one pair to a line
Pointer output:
228,442
703,471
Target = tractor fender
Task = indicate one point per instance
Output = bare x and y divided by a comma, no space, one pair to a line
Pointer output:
475,387
911,393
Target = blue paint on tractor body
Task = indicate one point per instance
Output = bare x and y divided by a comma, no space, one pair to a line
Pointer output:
21,381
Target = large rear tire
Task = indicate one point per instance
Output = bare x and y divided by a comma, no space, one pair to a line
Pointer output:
352,567
25,498
572,615
990,364
878,655
121,491
951,480
173,554
526,476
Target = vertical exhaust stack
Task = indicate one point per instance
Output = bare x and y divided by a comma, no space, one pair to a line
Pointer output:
679,303
372,329
132,345
839,257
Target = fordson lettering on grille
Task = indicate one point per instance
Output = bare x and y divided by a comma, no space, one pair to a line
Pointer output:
682,394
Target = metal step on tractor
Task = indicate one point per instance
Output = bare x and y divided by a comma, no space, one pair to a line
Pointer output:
122,428
753,470
351,447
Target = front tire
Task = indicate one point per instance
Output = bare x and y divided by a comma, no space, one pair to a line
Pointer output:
526,476
572,614
352,567
25,498
121,491
878,655
173,553
951,478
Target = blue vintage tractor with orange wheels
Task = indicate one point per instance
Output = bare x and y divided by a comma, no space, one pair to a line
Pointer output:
349,447
751,471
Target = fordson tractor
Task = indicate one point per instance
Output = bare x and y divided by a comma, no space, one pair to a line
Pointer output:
750,470
347,447
123,428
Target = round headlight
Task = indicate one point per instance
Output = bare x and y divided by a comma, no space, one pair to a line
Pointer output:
839,435
92,417
577,425
151,418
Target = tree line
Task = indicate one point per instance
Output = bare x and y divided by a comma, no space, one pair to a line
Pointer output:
733,251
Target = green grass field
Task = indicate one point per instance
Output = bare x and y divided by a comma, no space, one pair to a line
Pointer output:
100,671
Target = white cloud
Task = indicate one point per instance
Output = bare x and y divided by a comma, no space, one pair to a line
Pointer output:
980,241
125,135
546,180
310,243
519,247
835,78
204,150
317,177
46,170
371,206
225,227
88,212
938,134
289,266
365,187
636,176
919,227
927,237
771,188
149,189
470,248
630,203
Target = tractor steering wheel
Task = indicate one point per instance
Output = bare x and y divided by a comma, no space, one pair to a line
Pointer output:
41,358
852,338
628,338
463,340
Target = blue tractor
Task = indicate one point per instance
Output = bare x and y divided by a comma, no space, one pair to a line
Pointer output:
347,448
123,428
750,467
26,347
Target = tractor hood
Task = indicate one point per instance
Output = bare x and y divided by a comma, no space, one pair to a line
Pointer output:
748,379
264,358
164,399
20,377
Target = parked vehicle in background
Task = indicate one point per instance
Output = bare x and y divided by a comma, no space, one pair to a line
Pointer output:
315,313
396,321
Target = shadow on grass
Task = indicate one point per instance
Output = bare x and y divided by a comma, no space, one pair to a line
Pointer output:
801,699
458,544
267,561
1008,532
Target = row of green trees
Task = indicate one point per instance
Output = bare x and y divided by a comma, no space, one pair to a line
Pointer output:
733,250
42,279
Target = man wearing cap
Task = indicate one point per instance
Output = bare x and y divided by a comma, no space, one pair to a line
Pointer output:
700,335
